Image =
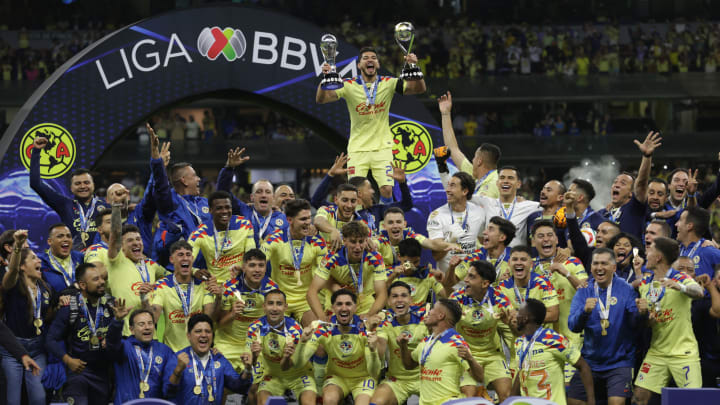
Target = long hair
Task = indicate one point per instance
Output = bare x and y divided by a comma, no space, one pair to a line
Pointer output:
23,288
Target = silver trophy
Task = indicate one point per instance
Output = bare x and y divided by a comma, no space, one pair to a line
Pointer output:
328,47
405,37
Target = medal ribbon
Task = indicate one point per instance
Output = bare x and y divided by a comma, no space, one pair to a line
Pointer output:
262,225
218,252
357,278
142,359
85,217
93,325
586,215
615,214
518,296
480,180
505,213
604,308
297,254
38,300
69,276
499,262
527,349
198,371
690,252
143,270
185,299
194,213
370,98
427,349
452,219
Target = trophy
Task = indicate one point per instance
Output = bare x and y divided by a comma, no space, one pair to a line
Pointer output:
405,36
328,47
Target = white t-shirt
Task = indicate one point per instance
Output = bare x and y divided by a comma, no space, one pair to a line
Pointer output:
518,213
442,225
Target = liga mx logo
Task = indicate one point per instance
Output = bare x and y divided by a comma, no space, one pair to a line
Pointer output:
229,42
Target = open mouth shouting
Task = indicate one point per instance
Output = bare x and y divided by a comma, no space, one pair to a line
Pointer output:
343,316
547,249
370,68
519,270
203,344
65,248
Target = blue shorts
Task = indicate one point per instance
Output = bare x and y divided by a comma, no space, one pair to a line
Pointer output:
616,382
86,388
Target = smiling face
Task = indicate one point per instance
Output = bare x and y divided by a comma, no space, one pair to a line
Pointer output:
492,236
474,283
394,224
678,184
400,300
508,183
300,224
621,189
254,270
191,181
282,194
657,195
369,64
201,338
60,241
274,307
605,232
344,309
82,186
436,315
545,241
181,260
92,283
602,268
221,211
31,266
143,327
354,247
520,264
623,251
262,196
132,246
346,202
684,228
651,232
454,191
551,194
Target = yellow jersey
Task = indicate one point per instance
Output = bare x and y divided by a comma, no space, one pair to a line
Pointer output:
223,249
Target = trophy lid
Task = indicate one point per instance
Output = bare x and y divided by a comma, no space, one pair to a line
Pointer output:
329,39
404,31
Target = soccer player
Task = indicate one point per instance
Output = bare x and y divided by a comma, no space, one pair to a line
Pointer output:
606,312
551,199
283,193
396,230
692,226
60,260
293,255
628,195
584,214
498,233
399,383
459,221
273,338
77,212
542,354
201,375
265,220
353,361
656,228
484,164
444,357
483,308
77,335
353,268
97,253
706,327
140,214
667,295
507,205
422,282
141,363
179,296
368,98
330,219
242,302
224,240
131,276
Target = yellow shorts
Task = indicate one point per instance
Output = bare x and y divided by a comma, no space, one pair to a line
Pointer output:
655,372
296,310
495,367
402,389
232,352
356,386
277,386
379,162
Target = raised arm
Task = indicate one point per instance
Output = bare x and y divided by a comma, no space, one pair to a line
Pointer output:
652,141
115,242
161,185
235,159
319,197
445,106
415,86
405,353
10,278
55,200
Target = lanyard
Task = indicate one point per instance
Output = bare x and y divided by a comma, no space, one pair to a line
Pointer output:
370,98
586,215
143,270
691,252
429,346
505,214
486,299
93,325
69,275
218,252
262,225
194,213
200,371
357,278
615,214
519,297
604,308
297,254
38,300
185,299
464,223
499,262
527,349
656,294
480,180
85,216
142,360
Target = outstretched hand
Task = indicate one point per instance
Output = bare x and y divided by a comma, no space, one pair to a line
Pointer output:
338,168
235,157
652,141
445,103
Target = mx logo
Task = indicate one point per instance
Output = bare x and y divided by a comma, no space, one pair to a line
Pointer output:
229,42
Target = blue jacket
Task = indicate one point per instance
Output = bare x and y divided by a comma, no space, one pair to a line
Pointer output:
127,366
617,349
52,275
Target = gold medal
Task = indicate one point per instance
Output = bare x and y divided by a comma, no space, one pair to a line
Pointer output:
142,395
197,390
604,323
38,331
38,322
289,339
496,315
84,236
144,386
299,280
94,340
211,398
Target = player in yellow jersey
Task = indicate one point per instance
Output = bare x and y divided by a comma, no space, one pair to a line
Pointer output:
443,357
273,338
179,296
402,319
485,161
542,355
354,268
97,253
131,276
293,256
329,219
495,238
225,239
484,308
353,362
396,230
368,97
667,295
242,305
423,284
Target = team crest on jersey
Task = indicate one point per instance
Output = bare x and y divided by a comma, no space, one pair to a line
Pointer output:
478,315
408,334
106,313
412,289
205,210
345,347
613,301
158,359
696,259
45,294
279,222
217,365
249,304
273,344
